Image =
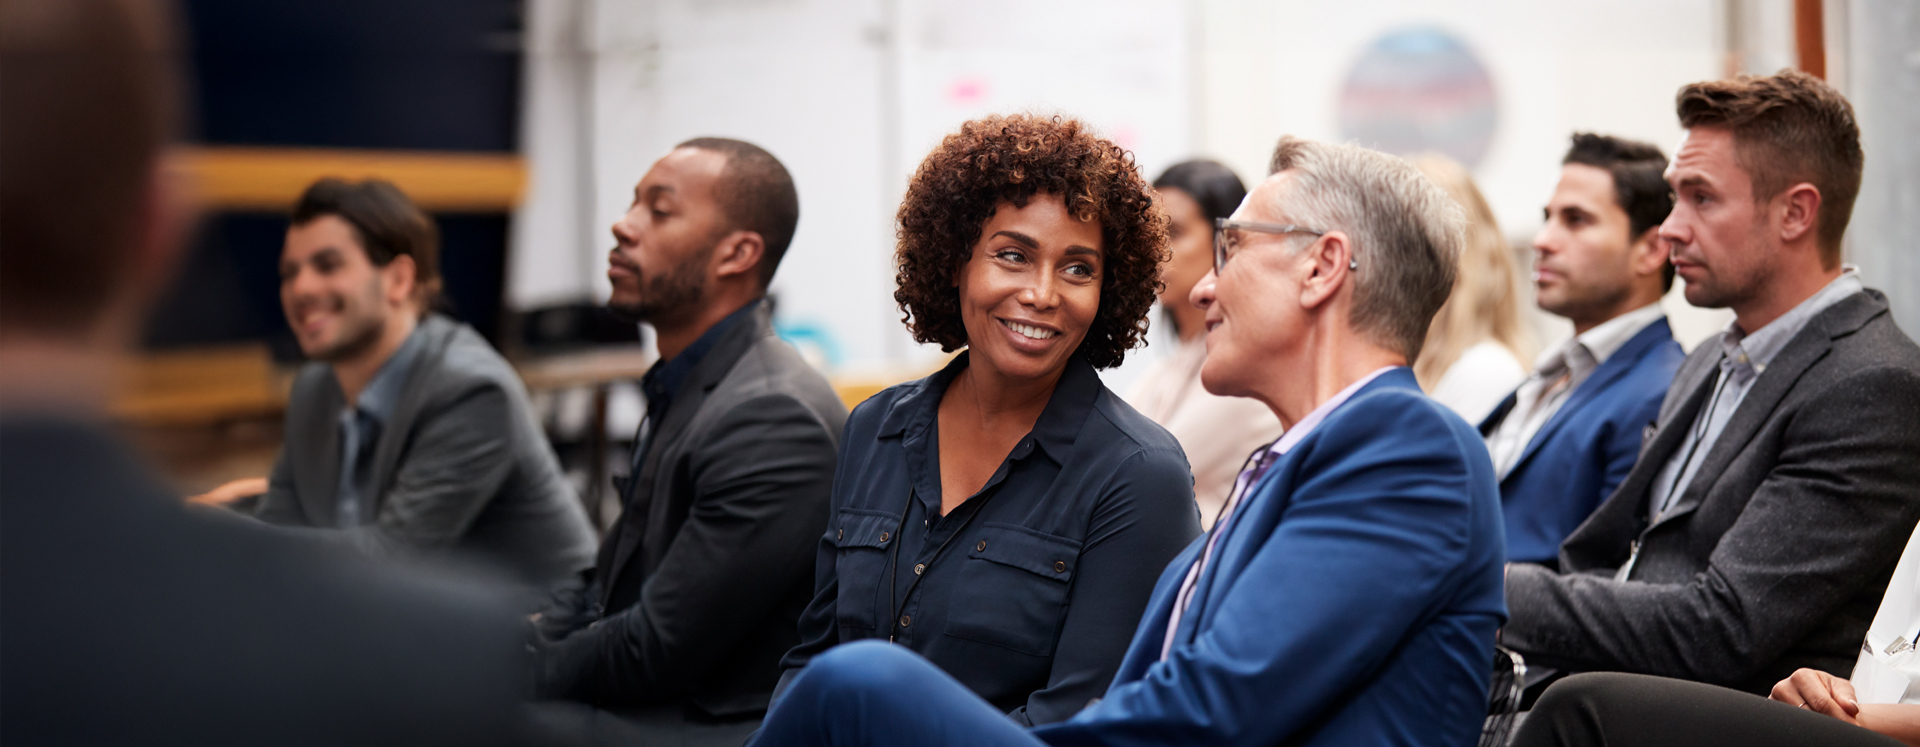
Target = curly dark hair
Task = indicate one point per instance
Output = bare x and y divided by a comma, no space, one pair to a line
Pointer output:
1010,159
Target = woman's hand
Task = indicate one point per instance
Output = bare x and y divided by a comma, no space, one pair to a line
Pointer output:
1819,692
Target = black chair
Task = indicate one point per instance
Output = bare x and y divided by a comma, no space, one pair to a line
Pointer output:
1503,696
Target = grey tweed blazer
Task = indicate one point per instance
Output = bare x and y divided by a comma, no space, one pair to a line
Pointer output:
1776,555
461,465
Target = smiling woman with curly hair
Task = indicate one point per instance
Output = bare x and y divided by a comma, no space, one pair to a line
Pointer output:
1007,516
1013,159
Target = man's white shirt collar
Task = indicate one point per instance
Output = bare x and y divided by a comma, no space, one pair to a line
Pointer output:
1764,343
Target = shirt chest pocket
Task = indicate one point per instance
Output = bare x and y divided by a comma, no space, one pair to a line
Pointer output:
1013,588
863,537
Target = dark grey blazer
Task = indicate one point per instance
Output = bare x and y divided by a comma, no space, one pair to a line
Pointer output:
701,581
1777,553
132,619
460,466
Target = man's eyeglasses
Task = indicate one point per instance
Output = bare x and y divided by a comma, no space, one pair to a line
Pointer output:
1226,236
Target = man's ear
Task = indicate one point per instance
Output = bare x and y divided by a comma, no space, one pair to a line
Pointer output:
1327,265
1647,255
739,252
399,278
1801,208
168,209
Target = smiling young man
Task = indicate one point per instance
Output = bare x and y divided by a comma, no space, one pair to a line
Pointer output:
1350,592
680,626
407,431
1566,438
1757,531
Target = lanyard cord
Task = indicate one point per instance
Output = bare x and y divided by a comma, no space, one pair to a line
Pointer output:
1700,428
893,566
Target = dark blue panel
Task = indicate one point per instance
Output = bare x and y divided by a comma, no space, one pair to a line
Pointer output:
382,74
415,74
473,261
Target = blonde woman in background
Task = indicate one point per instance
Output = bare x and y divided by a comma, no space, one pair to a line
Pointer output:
1216,432
1472,357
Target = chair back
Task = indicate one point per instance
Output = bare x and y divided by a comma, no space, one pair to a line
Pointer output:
1503,696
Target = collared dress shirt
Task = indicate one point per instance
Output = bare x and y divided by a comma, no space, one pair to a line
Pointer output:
361,423
1028,592
1744,358
1556,374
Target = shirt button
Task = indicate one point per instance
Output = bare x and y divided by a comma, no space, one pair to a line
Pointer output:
905,620
919,569
1059,566
883,536
981,546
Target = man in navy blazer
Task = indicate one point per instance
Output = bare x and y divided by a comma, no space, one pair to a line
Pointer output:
1350,591
1566,438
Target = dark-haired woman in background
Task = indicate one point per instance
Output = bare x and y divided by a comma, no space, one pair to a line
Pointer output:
1216,432
1007,517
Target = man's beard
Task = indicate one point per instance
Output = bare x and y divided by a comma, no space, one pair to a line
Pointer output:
667,297
352,344
1729,290
362,328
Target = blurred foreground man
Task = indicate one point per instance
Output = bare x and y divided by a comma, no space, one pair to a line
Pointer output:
1349,593
1757,531
129,618
701,581
408,432
1566,438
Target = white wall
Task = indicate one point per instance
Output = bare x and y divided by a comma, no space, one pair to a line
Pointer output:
851,94
1273,67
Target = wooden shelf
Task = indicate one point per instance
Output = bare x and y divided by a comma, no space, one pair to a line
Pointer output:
271,179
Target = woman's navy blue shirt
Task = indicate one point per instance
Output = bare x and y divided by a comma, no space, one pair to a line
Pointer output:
1044,572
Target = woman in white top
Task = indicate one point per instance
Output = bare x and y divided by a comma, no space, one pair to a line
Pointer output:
1472,358
1879,706
1216,432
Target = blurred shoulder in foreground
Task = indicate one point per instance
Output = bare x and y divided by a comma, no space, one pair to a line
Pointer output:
127,617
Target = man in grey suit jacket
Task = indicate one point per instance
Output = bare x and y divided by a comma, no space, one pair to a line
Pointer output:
701,580
408,432
1772,497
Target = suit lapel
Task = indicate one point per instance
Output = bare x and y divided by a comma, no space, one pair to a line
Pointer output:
1500,413
1602,539
1779,378
438,334
1617,366
638,508
1265,500
317,476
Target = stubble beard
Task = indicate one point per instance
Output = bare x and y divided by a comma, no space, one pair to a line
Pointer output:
362,331
1730,291
666,298
1589,303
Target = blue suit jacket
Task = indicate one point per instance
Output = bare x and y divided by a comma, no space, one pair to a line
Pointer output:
1584,451
1353,600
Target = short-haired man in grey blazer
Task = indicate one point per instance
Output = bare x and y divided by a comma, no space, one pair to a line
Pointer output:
1774,493
408,432
701,581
